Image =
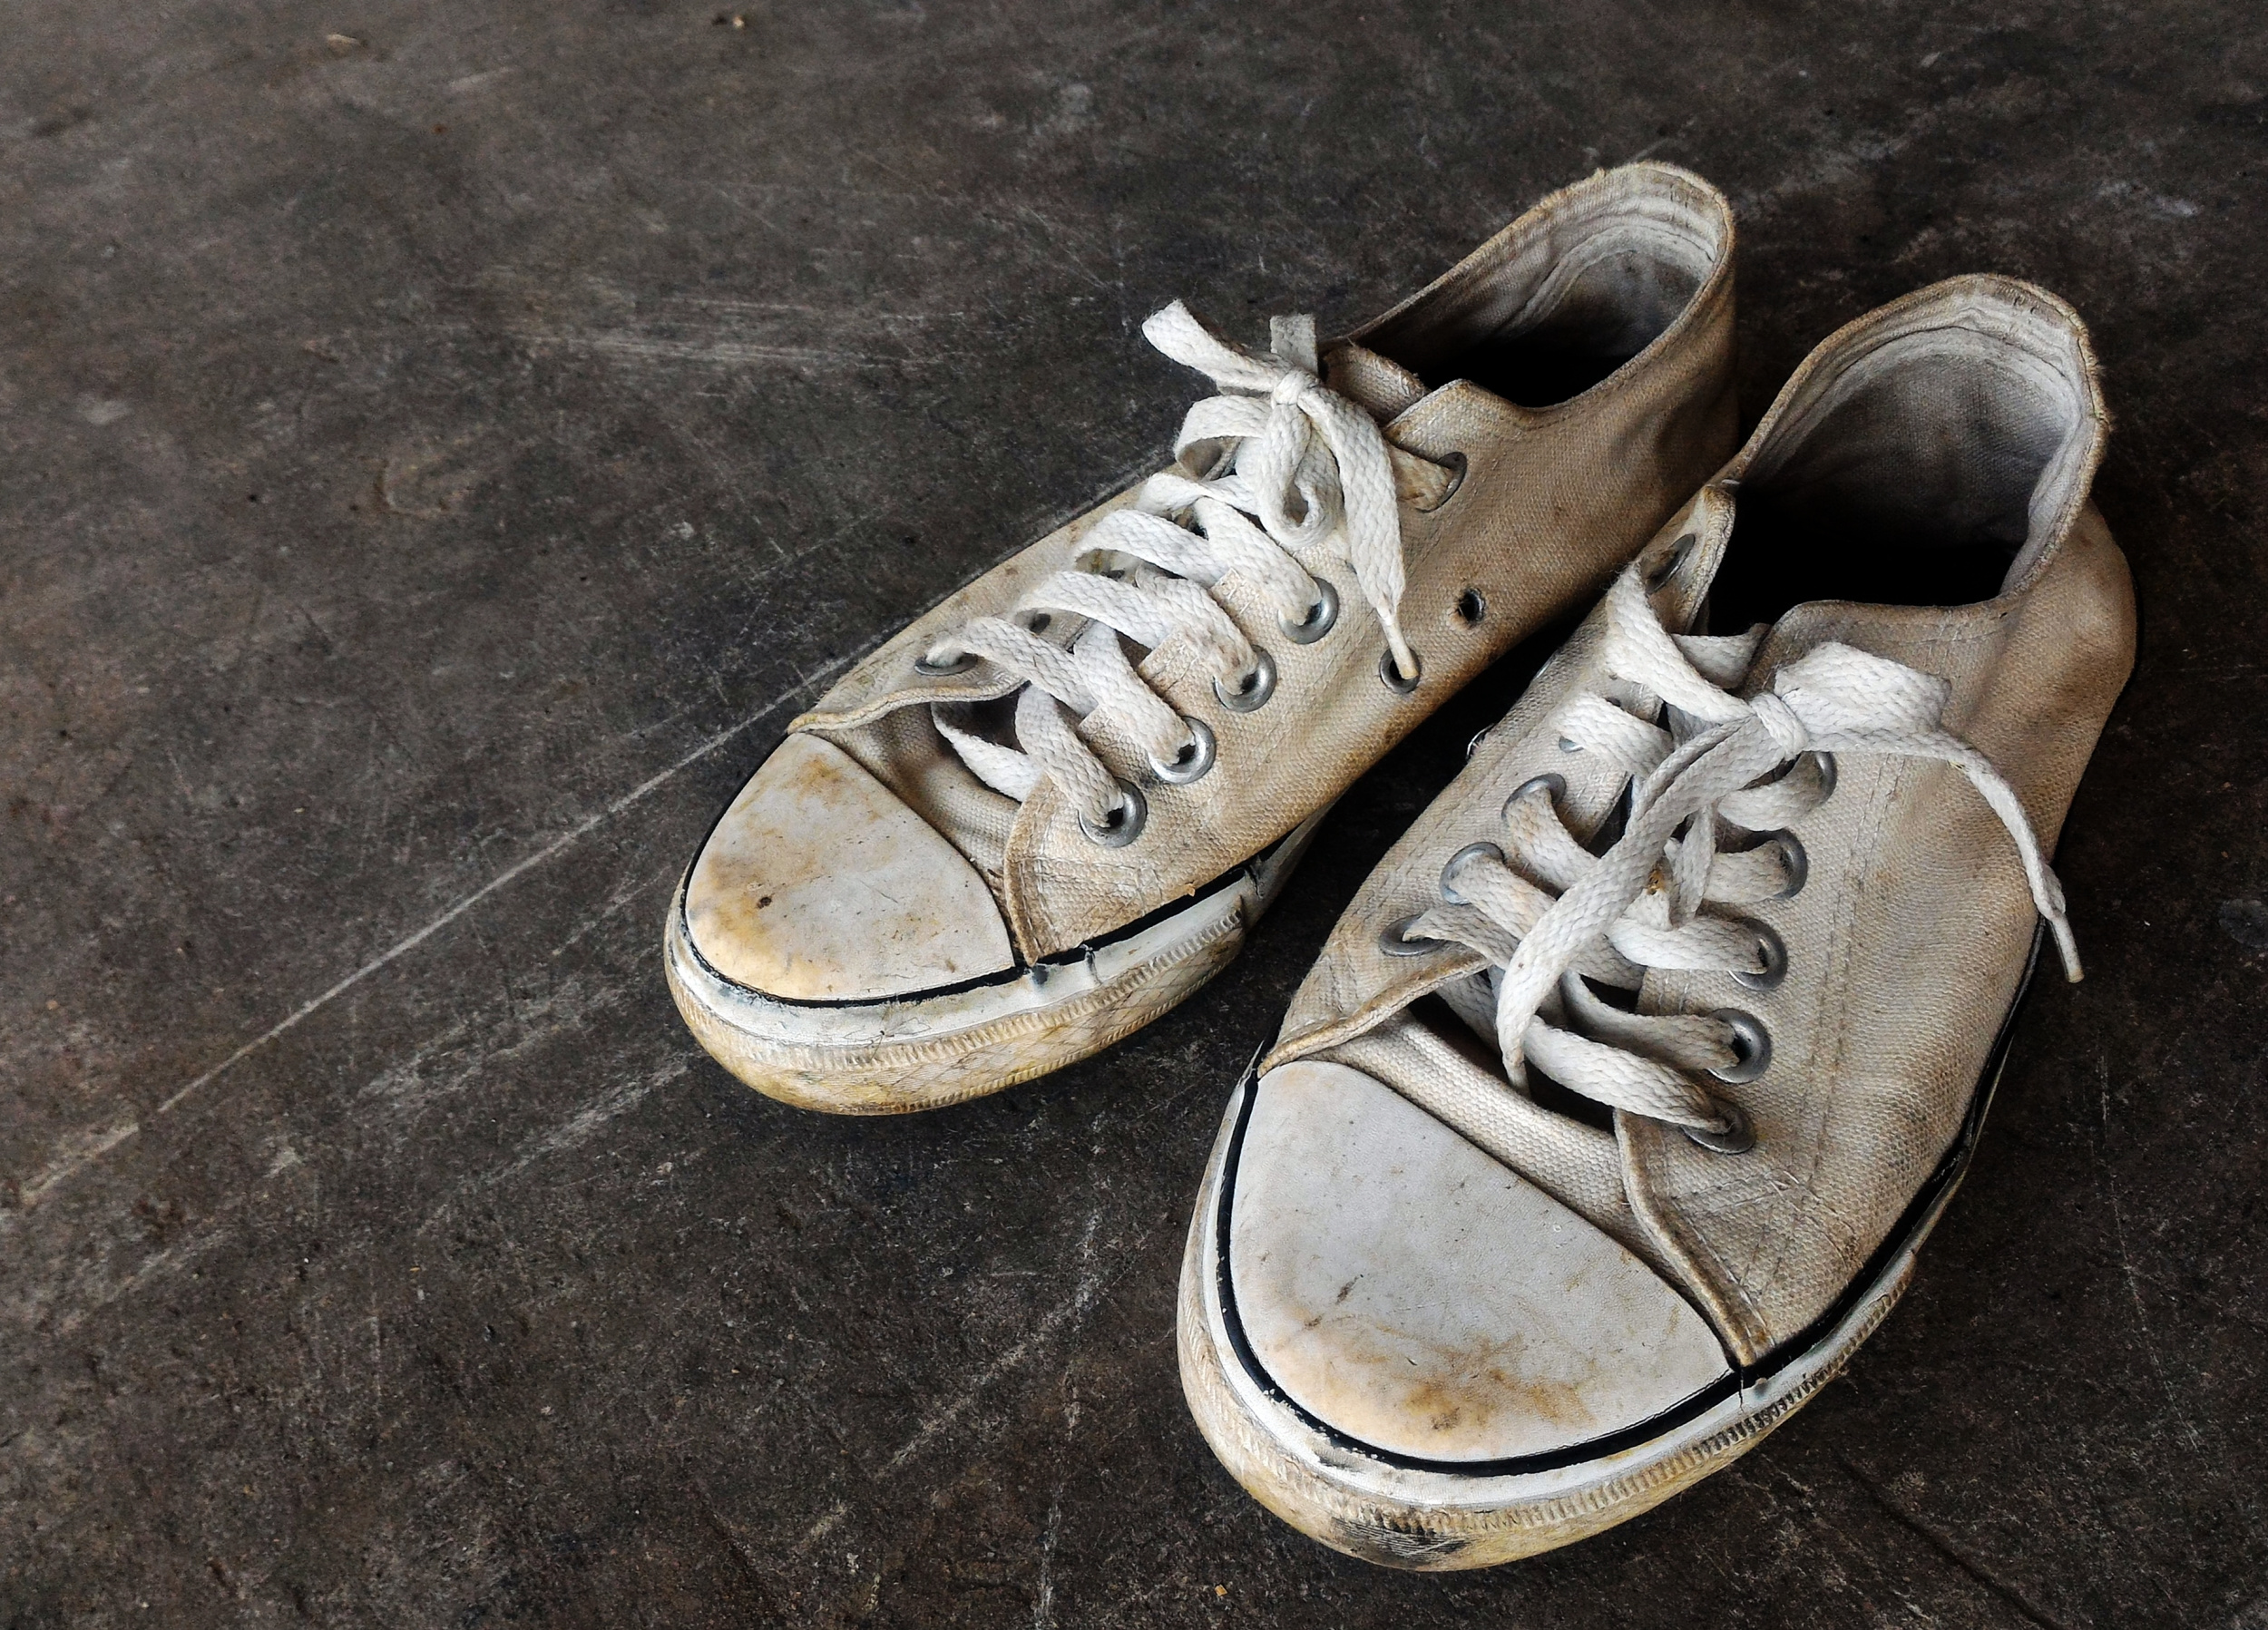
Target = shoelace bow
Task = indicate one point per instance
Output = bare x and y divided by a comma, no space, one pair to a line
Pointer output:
1281,449
1547,913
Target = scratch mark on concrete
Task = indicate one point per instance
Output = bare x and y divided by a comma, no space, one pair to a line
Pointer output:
2190,1296
621,900
479,82
744,1564
578,1126
771,308
727,352
166,1260
558,846
826,1525
1836,163
1091,1283
82,1149
1044,1609
2134,1278
1053,229
2007,1594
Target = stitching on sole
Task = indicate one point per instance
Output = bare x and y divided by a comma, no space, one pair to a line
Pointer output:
895,1077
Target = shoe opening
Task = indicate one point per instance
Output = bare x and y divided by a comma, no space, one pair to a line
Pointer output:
1569,293
1928,462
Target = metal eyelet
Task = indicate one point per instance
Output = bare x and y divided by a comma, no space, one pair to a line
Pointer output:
1392,678
1128,818
1195,760
1258,686
1557,785
1321,617
1472,607
959,663
1569,746
1668,569
1739,1137
1457,464
1773,954
1792,860
1458,859
1751,1041
1826,762
1390,941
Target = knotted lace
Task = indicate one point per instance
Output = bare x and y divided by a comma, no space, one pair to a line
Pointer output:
1549,915
1276,448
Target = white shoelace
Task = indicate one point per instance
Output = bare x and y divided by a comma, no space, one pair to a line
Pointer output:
1279,448
1547,913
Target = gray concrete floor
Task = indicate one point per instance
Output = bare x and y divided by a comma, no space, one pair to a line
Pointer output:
441,446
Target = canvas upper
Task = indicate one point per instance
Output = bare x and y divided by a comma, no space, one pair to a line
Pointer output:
942,817
1898,602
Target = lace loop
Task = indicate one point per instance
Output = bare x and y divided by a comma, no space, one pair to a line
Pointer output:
1300,412
1556,909
1276,477
1781,723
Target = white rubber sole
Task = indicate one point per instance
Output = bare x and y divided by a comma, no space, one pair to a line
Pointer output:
938,1047
1437,1517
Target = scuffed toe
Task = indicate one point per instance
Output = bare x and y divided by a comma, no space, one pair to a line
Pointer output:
819,885
1408,1291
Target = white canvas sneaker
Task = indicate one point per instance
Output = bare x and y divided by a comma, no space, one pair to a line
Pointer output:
1610,1120
1055,805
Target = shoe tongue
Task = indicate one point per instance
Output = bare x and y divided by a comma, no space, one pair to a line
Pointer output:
1381,388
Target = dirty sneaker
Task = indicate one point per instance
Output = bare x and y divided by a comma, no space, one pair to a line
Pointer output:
1610,1120
1053,806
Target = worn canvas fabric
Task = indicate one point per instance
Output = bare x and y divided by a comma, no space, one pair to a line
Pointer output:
1900,598
1609,307
1543,490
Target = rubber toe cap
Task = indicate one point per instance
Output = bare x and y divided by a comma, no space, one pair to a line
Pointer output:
820,885
1406,1289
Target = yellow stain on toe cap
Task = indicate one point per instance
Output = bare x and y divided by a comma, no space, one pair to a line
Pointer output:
819,885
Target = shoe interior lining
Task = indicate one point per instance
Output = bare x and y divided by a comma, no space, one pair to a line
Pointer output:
1929,470
1560,301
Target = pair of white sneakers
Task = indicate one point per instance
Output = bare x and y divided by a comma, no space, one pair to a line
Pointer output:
1611,1117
